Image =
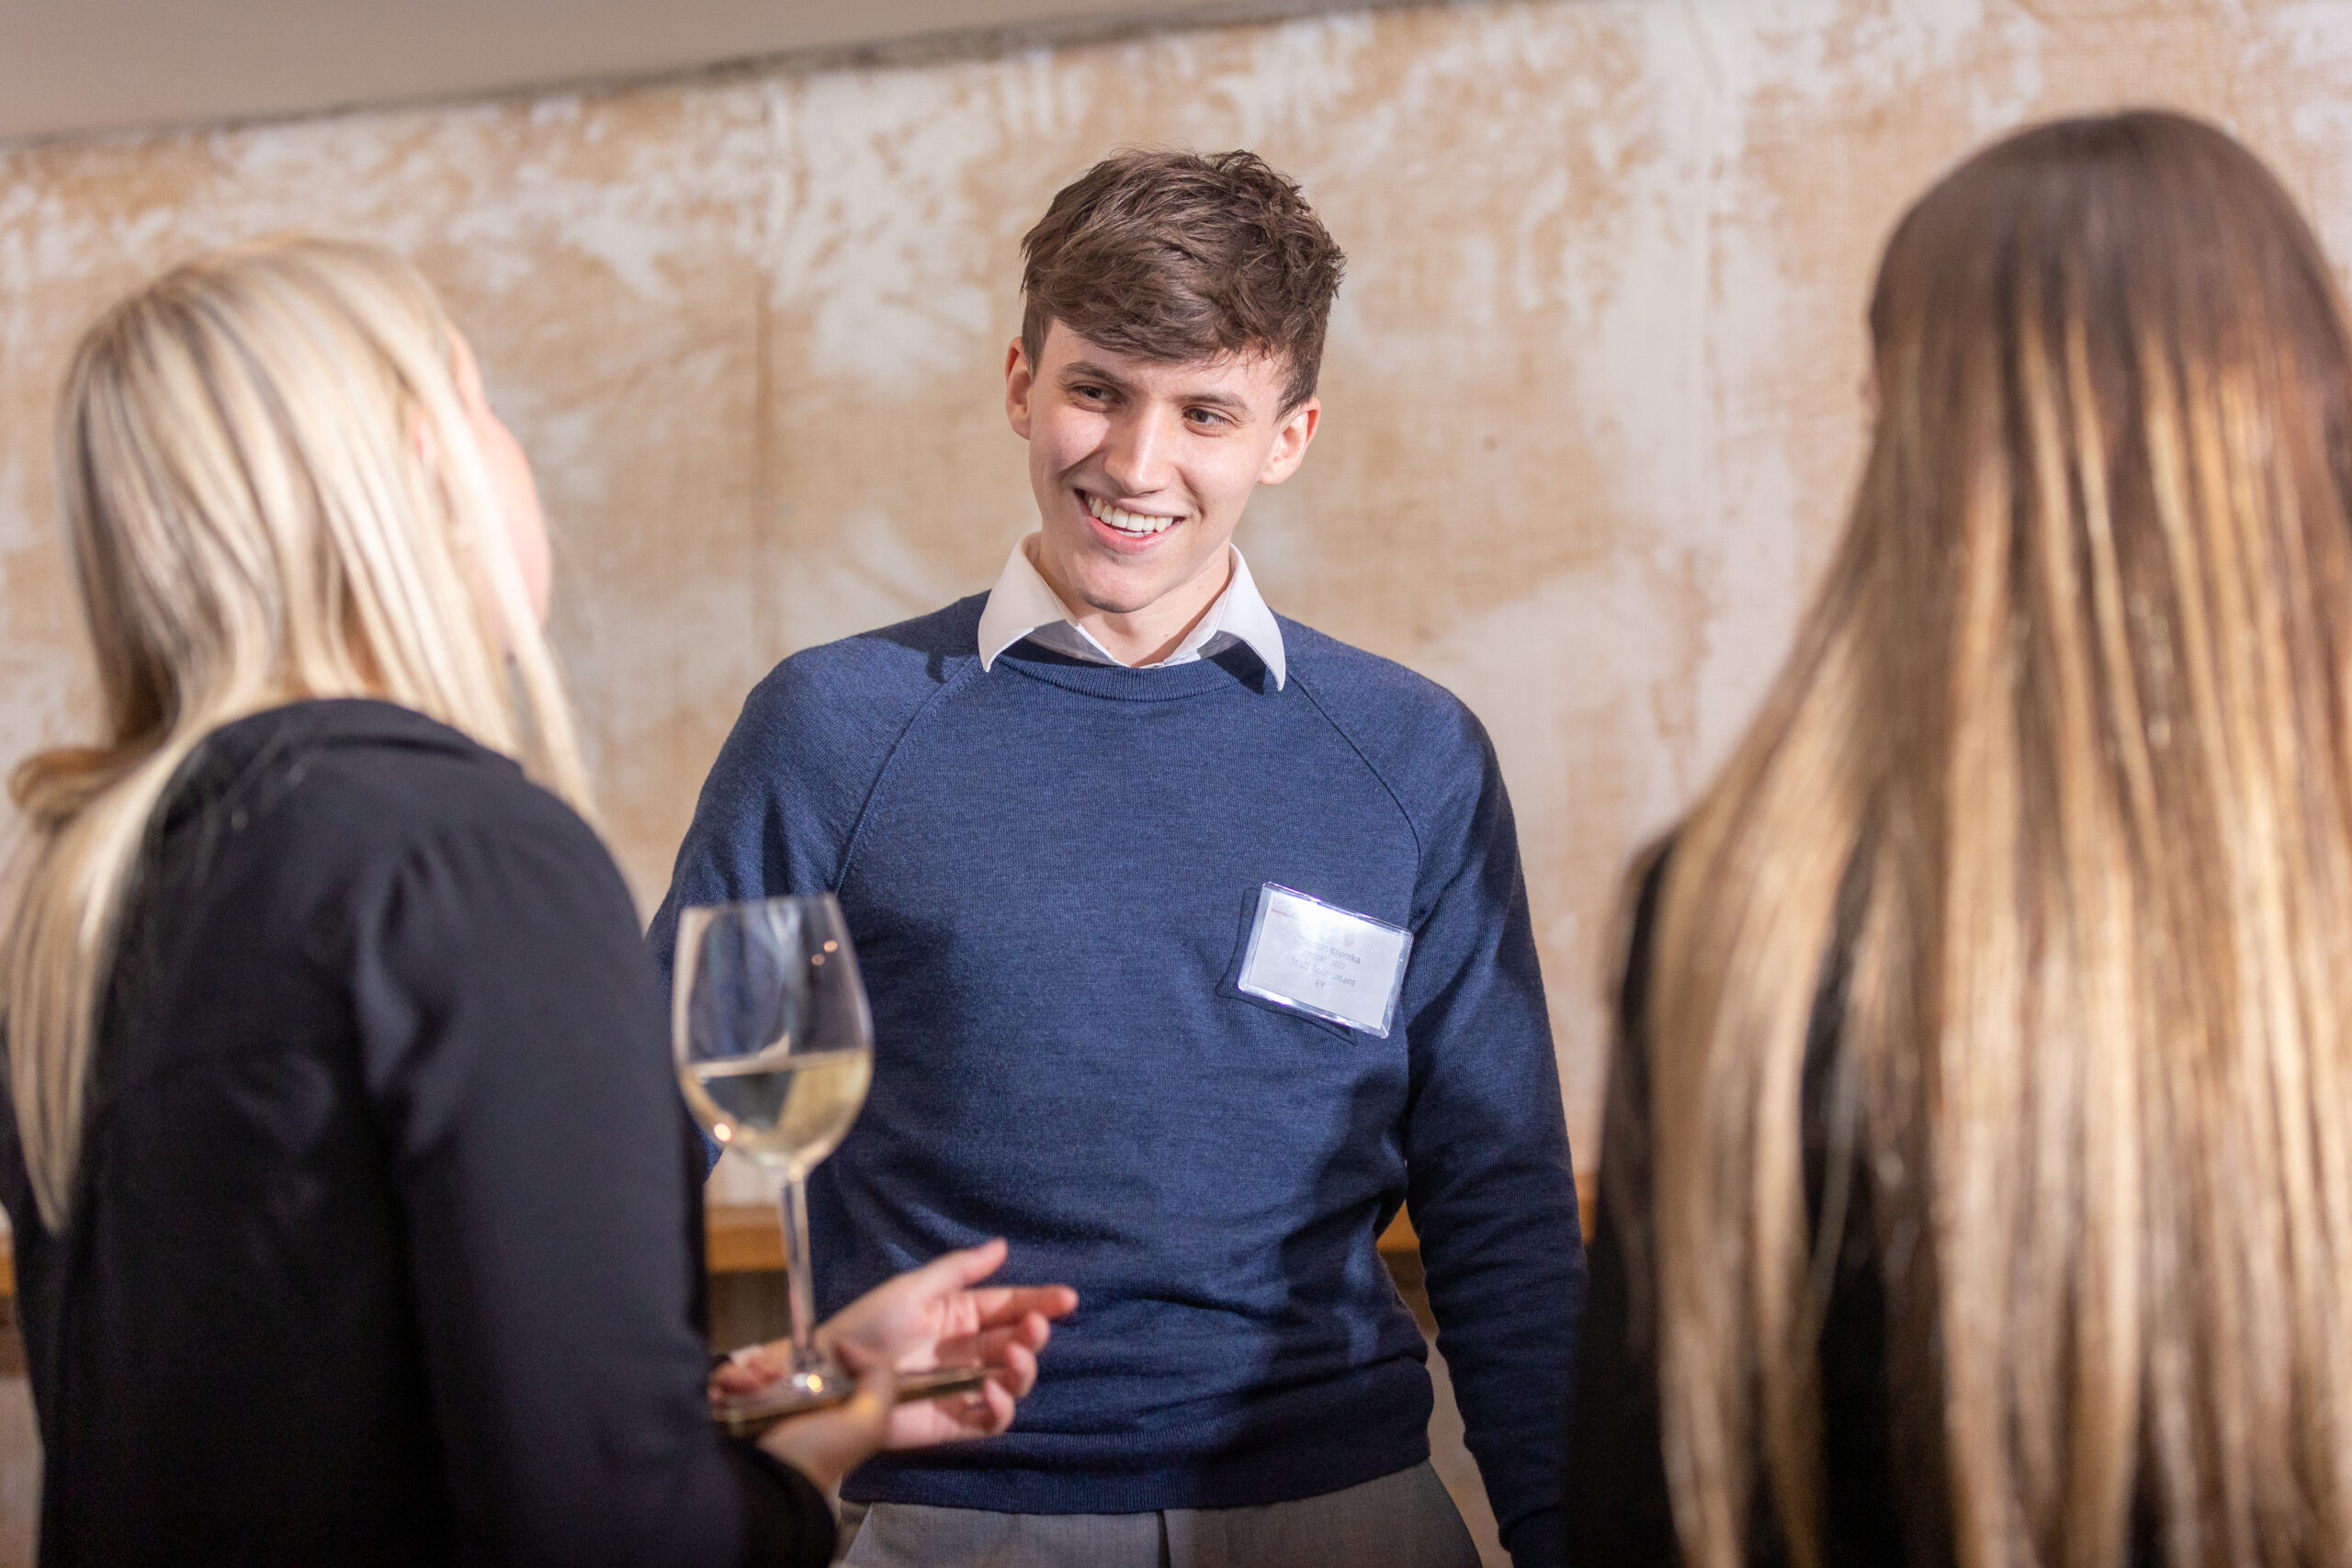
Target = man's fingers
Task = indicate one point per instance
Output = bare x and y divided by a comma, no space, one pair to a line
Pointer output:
988,1346
999,1407
1015,1373
983,1413
966,1266
1004,1304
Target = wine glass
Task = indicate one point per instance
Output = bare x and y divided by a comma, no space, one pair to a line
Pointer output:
776,1049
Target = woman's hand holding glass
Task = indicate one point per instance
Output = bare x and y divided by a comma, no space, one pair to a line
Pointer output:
926,1318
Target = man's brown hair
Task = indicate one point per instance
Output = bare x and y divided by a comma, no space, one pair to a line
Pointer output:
1180,256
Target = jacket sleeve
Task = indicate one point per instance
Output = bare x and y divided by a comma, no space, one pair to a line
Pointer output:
1488,1179
512,1047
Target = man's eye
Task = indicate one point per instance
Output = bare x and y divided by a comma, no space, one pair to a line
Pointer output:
1095,393
1204,419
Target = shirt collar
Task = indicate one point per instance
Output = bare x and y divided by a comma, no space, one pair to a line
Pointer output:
1023,605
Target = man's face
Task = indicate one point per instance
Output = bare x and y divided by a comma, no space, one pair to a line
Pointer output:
1141,468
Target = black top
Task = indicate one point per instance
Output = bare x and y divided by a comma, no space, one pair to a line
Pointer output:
386,1242
1886,1497
1618,1507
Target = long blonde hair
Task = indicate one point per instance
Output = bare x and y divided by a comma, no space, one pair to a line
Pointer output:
271,492
2061,769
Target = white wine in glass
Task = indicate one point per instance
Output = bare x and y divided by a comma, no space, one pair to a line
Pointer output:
774,1048
783,1110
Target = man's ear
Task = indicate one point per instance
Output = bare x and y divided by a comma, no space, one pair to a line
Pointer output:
1290,443
1019,378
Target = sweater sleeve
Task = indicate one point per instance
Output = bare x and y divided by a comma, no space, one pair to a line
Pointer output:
782,802
740,844
510,1042
777,806
1488,1178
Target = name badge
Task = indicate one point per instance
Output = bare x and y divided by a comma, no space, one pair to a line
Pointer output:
1325,961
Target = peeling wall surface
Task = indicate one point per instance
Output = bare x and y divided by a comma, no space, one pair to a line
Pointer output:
1592,406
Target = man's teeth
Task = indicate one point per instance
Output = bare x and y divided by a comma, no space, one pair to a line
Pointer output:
1125,522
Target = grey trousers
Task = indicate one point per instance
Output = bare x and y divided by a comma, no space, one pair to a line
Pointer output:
1405,1520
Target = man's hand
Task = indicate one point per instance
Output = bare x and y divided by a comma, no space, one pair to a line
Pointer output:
928,1317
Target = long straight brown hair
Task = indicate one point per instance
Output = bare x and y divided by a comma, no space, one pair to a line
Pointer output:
2061,762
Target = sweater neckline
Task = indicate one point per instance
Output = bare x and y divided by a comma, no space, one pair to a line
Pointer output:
1235,668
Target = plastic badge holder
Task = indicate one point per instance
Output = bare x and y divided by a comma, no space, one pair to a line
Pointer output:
1324,960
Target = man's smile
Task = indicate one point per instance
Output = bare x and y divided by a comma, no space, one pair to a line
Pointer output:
1134,524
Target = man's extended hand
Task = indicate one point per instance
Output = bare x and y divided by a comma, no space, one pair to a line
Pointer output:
928,1317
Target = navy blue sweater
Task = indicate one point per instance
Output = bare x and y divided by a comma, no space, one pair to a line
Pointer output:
1048,869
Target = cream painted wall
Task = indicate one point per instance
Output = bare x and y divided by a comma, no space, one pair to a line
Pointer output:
1591,388
77,67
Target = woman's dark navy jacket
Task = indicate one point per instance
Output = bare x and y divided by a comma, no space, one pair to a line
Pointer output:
385,1246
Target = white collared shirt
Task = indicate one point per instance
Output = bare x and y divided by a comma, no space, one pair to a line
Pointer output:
1023,605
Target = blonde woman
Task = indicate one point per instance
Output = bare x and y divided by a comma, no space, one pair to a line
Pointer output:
1978,1169
354,1203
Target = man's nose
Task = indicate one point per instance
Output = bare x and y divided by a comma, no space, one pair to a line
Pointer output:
1139,461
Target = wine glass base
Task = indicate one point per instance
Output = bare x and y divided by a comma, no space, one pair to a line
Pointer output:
796,1393
803,1390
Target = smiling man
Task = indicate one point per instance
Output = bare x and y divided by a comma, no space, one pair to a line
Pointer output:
1197,942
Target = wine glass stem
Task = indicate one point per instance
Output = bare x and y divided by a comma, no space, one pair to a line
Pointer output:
794,1203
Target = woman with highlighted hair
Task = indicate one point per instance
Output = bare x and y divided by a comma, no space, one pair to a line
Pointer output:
356,1213
1978,1162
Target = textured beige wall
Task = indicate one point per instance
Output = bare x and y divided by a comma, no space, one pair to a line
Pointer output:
1591,395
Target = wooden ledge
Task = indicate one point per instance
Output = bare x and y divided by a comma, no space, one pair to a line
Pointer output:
744,1238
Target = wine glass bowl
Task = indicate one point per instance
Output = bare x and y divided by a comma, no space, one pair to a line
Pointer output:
774,1049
